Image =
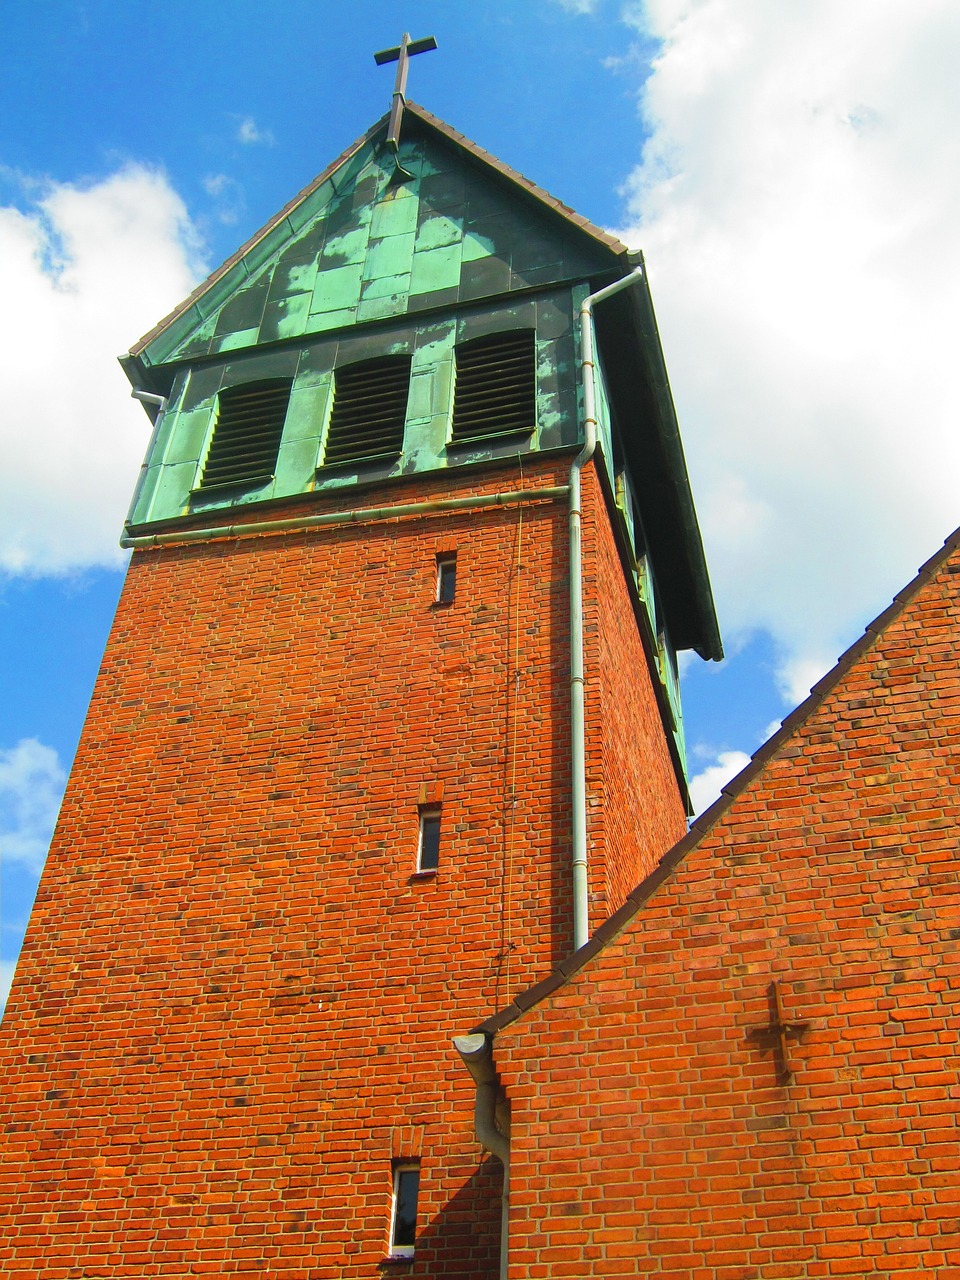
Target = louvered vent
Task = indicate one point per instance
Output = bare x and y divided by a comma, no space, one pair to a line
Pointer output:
246,439
369,410
496,392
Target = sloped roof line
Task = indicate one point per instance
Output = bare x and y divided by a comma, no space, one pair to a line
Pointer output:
139,347
513,175
555,206
614,926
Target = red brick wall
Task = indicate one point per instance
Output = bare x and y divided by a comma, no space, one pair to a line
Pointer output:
235,1002
653,1136
635,809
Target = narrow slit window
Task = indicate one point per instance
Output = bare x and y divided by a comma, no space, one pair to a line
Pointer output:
247,434
428,853
403,1224
496,386
446,579
369,411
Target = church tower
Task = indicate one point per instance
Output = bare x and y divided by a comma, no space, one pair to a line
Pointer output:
345,786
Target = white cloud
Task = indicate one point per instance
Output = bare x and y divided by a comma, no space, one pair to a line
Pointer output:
86,271
7,968
31,787
249,133
706,785
797,203
230,193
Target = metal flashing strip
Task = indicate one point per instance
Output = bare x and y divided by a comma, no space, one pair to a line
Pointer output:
358,515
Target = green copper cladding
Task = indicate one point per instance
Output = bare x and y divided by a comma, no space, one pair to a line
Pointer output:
363,247
370,262
360,267
169,490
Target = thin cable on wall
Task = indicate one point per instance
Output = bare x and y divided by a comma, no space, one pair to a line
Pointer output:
513,715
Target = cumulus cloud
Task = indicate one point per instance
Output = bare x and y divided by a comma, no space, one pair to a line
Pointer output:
705,786
249,133
31,787
86,271
718,766
229,194
797,206
7,968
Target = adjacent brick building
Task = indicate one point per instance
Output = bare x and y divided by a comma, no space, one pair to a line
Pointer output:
320,816
660,1126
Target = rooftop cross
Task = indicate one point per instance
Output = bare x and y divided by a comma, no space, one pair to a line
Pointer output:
401,55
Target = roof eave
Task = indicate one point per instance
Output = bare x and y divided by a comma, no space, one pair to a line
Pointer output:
547,202
706,638
642,399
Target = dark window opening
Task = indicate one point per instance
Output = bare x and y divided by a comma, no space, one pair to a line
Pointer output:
496,386
369,411
446,579
246,437
403,1228
616,438
428,854
639,538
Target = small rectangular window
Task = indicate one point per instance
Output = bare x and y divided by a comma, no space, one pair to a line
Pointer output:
428,855
446,579
403,1225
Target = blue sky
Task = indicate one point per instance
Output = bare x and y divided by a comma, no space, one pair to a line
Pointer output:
791,173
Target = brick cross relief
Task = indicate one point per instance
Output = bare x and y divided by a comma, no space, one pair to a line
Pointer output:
777,1032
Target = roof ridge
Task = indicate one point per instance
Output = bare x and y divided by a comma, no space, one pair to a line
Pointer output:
614,925
556,206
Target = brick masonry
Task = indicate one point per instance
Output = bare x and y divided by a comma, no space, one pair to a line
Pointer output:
627,750
236,998
652,1134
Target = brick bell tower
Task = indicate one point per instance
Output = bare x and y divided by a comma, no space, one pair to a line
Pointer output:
325,810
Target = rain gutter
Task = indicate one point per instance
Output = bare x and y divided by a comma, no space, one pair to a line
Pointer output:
358,515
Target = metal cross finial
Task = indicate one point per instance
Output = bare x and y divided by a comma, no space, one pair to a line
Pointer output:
401,55
777,1030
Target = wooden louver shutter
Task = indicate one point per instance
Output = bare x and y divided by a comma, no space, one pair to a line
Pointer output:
369,411
496,389
246,438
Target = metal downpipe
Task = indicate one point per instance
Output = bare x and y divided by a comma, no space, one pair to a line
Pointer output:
477,1053
581,913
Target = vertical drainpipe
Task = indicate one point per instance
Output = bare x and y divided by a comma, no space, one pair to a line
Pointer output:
581,915
476,1050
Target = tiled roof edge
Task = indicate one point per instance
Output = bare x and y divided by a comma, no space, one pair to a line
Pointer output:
614,926
512,175
225,266
458,139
